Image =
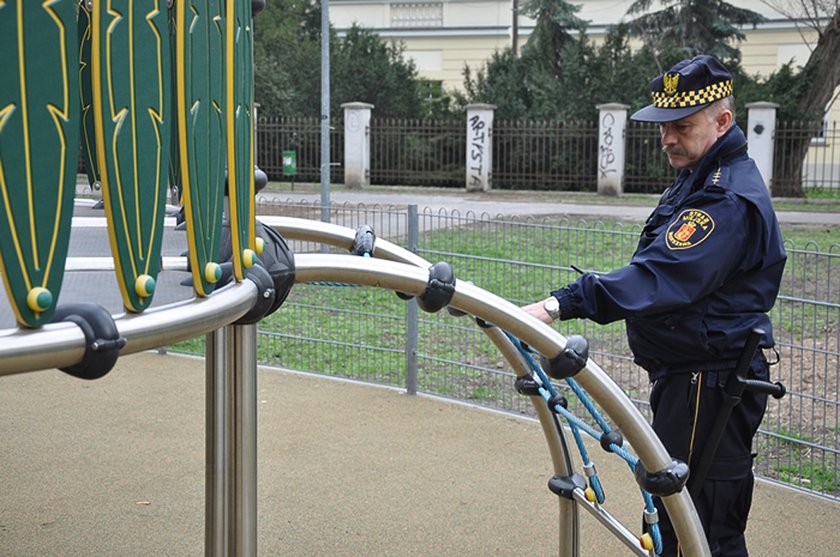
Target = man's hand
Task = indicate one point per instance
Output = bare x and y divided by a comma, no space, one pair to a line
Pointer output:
538,310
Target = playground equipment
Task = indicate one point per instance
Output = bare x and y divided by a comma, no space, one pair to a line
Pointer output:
166,88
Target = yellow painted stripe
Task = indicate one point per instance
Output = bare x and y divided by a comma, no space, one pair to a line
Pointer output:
230,102
180,79
157,119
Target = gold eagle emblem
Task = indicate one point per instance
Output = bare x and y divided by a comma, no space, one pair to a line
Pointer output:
670,82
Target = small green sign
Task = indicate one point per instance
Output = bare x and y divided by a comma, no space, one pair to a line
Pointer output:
290,163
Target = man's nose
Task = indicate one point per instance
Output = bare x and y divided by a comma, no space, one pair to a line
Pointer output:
667,135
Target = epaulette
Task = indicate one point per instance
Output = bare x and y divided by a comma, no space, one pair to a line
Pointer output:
718,179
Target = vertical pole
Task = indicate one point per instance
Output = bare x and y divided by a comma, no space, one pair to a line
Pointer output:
514,47
241,346
411,315
325,111
216,464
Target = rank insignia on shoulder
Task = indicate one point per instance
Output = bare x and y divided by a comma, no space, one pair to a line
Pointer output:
689,229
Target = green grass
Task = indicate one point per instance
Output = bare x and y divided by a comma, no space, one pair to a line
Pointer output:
359,332
798,464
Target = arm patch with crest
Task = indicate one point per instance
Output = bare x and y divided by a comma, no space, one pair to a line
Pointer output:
689,229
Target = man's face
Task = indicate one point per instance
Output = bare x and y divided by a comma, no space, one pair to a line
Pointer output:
686,141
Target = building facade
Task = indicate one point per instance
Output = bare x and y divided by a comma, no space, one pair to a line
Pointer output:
443,36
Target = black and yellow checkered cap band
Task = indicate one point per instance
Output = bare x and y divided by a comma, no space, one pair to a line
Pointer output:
684,99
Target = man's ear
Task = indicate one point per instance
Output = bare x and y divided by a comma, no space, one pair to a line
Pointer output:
724,121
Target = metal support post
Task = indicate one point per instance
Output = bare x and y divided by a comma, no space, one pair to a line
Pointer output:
241,348
216,467
411,313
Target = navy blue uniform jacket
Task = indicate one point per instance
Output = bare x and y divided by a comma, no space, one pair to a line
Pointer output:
707,269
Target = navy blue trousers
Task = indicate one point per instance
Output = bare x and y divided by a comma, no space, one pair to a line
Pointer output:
685,407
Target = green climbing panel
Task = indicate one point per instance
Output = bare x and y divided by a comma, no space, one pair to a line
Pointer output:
39,148
200,92
240,124
131,76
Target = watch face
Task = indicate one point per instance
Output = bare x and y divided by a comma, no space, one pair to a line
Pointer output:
552,306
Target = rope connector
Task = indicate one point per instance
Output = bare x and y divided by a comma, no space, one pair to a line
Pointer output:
609,438
570,361
667,481
364,243
565,486
527,385
557,400
439,289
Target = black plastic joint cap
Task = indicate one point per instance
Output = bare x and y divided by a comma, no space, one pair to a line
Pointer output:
260,177
570,361
558,400
403,296
525,385
102,339
265,295
365,241
439,289
565,486
667,481
614,437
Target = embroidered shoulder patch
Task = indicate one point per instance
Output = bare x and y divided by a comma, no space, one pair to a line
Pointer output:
690,228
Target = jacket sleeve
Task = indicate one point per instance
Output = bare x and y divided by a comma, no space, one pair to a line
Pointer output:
690,257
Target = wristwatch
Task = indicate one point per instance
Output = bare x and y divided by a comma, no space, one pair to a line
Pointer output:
552,307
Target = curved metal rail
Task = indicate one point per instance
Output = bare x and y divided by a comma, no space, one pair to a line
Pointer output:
493,309
60,345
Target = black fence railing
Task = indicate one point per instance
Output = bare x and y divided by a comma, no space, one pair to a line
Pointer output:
646,168
560,156
417,153
545,155
819,168
302,135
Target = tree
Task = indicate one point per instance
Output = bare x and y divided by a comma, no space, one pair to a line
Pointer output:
686,28
553,33
363,67
367,69
805,95
287,52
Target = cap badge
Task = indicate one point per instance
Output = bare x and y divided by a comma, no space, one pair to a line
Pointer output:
670,81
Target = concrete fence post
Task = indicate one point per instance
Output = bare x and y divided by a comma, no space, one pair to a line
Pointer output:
761,129
357,144
612,123
479,146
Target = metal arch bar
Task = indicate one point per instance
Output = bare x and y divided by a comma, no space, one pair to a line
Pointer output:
59,345
339,236
558,448
493,309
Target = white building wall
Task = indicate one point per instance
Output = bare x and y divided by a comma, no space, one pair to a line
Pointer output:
469,31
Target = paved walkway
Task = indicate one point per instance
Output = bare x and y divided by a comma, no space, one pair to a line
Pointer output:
116,467
514,204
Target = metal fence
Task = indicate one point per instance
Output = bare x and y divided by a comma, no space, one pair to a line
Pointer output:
415,152
302,135
821,166
545,155
361,333
559,156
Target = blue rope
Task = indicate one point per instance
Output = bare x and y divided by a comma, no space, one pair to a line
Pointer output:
547,391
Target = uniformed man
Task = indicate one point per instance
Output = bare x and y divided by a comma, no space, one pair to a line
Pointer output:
706,271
